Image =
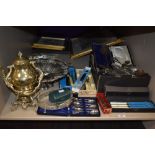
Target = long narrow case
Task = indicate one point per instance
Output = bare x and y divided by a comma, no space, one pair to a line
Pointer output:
143,106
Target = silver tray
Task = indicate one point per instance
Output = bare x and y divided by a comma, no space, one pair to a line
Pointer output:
53,68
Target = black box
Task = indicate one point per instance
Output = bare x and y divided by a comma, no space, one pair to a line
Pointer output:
112,80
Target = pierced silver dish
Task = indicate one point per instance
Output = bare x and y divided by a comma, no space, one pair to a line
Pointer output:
52,68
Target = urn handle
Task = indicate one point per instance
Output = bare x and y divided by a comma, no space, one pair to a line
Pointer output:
2,73
41,75
6,76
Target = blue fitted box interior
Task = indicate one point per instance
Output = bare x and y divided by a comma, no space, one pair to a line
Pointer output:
70,111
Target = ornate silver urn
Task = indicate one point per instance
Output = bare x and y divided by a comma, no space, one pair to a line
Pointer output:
24,79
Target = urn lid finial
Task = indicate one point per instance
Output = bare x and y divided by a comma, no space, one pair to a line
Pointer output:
21,60
20,54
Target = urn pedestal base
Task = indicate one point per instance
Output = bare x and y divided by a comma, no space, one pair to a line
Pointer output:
24,102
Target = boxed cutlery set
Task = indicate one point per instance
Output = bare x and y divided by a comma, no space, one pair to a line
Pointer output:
78,107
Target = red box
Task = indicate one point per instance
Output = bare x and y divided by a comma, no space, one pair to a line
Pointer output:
104,103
